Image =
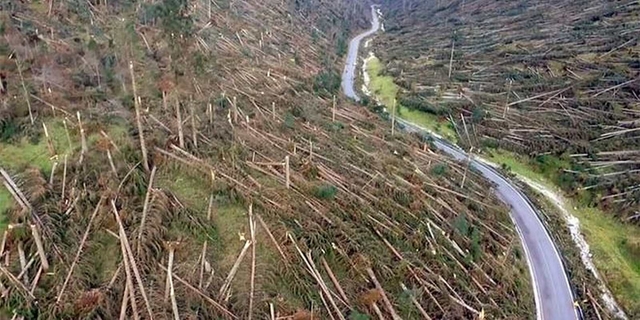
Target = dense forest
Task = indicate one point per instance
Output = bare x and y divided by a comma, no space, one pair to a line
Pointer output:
194,160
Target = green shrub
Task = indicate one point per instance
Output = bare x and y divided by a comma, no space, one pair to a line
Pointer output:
489,143
289,120
172,14
419,103
335,126
461,224
325,191
341,46
356,315
326,83
365,101
439,169
478,114
8,129
475,249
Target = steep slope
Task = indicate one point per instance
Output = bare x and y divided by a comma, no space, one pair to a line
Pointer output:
555,82
536,77
188,160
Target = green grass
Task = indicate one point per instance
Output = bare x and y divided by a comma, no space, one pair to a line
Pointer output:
386,91
6,202
615,246
517,164
616,253
382,86
230,221
192,188
16,156
428,121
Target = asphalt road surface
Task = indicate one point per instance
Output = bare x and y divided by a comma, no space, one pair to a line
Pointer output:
553,296
349,73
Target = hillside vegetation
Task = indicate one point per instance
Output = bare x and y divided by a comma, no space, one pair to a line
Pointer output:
189,160
556,83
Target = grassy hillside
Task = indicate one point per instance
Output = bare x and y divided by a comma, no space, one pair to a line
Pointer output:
553,82
187,159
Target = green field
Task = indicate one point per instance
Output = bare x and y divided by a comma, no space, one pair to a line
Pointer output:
18,155
386,91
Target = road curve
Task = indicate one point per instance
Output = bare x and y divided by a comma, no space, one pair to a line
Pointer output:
553,296
349,73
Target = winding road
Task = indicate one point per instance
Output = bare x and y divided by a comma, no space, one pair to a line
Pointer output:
553,296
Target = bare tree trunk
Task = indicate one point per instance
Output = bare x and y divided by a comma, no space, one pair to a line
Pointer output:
171,292
453,44
393,117
15,191
127,254
83,138
272,311
40,247
464,124
506,103
334,280
164,100
286,169
215,304
179,120
194,130
52,149
113,166
377,311
386,301
26,94
252,229
333,110
203,260
129,282
235,110
23,262
64,177
136,100
273,110
234,269
75,260
145,206
123,306
466,168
